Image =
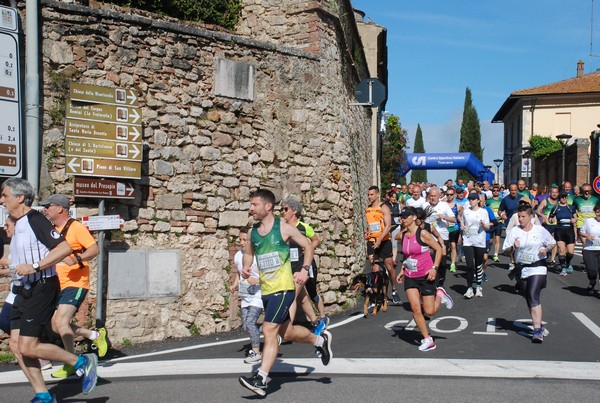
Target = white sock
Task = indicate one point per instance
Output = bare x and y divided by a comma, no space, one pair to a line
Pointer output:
263,375
94,335
320,341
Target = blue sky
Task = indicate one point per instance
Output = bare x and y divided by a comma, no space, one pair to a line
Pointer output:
436,49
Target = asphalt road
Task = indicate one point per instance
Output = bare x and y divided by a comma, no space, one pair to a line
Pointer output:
484,353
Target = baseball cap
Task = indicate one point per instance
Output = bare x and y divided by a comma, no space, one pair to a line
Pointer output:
525,199
473,196
408,211
59,200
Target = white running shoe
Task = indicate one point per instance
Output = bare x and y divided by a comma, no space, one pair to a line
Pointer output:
479,292
446,298
427,344
253,357
469,294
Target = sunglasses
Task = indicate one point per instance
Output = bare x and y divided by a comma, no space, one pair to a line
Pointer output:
449,194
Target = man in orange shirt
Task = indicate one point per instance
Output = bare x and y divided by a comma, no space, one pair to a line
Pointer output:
74,276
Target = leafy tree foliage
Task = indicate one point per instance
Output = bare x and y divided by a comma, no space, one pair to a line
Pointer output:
470,134
419,175
219,12
543,146
393,159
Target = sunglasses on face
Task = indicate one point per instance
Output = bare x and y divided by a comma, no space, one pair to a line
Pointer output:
285,209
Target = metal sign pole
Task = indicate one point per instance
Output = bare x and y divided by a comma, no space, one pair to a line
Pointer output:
100,273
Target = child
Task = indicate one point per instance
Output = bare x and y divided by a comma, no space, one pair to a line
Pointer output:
249,292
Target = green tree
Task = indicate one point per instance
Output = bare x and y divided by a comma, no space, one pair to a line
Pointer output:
543,146
470,134
419,175
393,157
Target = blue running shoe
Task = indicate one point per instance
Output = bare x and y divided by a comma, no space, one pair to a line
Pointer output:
570,269
90,375
322,325
484,278
38,399
396,298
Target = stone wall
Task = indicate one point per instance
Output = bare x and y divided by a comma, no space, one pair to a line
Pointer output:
204,154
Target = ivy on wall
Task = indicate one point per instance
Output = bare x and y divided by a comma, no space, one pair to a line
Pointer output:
224,13
543,146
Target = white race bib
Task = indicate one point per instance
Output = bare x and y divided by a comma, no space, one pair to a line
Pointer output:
596,241
587,209
375,227
527,257
294,254
411,265
473,231
244,286
268,262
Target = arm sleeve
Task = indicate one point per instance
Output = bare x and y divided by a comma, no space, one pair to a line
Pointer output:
44,231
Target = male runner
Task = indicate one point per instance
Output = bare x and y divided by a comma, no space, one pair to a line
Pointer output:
74,276
268,243
379,241
34,250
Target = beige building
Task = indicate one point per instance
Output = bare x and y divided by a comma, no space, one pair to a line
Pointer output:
570,106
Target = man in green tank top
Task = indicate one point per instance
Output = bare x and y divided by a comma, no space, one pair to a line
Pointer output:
585,204
269,244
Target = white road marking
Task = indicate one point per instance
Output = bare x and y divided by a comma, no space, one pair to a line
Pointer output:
588,323
349,366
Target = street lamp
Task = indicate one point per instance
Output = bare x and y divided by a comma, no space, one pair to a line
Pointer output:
498,162
564,139
527,154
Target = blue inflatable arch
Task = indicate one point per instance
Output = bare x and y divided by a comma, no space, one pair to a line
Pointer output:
449,161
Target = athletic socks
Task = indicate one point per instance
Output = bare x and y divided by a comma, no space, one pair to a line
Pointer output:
263,375
94,335
320,341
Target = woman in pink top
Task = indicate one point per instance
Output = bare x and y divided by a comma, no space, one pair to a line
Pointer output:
419,273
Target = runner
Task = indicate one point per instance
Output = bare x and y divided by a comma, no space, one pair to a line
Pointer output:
249,292
530,245
494,204
268,242
585,204
565,217
454,229
379,243
590,231
441,217
420,273
543,212
74,276
474,223
34,250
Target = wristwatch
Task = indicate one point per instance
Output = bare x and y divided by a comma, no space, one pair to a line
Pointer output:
434,268
306,267
36,266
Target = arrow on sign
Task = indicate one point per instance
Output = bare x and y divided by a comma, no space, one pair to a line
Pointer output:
72,164
130,189
135,132
136,116
132,97
134,150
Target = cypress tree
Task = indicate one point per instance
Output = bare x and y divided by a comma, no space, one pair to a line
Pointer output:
419,175
393,157
470,134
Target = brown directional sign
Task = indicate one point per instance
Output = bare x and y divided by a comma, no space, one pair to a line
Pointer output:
81,147
103,131
103,167
103,188
103,95
103,113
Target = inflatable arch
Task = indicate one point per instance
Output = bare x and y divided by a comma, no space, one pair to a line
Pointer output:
449,161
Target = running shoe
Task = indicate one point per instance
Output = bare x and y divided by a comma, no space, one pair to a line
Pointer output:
100,343
469,294
479,292
538,336
427,344
325,349
63,372
511,266
90,375
446,298
37,399
255,384
45,364
484,277
590,288
570,269
253,357
495,258
279,339
563,272
452,268
396,298
321,325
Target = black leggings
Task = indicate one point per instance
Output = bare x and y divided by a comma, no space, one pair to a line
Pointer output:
591,258
474,254
441,275
532,287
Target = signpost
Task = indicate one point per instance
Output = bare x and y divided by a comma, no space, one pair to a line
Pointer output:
103,188
10,94
596,184
102,222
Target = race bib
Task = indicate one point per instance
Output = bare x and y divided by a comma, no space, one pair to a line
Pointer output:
587,209
472,231
268,262
411,265
294,254
596,241
565,221
244,287
527,257
375,226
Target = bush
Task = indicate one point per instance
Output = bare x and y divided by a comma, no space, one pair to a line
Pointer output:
224,13
543,146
